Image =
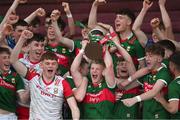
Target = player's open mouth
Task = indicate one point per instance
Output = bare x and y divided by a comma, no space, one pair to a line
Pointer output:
52,34
124,71
94,76
38,53
50,71
148,63
118,24
6,65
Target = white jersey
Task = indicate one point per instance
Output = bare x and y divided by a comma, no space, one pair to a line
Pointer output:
24,58
47,99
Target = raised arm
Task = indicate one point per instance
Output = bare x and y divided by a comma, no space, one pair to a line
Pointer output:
159,34
155,26
77,76
79,93
12,9
65,41
130,65
39,12
93,13
5,30
70,18
109,72
166,20
138,22
18,66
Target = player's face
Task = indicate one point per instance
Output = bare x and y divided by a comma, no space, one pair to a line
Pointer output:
36,49
5,62
18,31
49,67
51,33
122,71
122,22
96,72
85,69
152,60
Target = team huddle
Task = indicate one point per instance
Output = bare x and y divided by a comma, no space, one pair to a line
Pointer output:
47,73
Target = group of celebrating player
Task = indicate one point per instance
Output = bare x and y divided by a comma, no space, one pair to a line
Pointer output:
45,72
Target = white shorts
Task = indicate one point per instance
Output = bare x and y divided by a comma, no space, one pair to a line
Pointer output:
10,116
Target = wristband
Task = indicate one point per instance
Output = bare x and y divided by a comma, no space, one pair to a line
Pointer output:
81,51
69,15
138,98
129,79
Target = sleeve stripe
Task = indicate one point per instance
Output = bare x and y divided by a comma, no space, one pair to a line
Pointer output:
164,65
139,82
21,90
172,99
74,89
163,81
139,59
111,86
72,48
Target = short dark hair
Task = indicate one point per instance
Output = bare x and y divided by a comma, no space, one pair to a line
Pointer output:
36,37
20,22
127,12
120,59
5,50
98,61
175,58
167,44
35,22
83,62
49,56
155,49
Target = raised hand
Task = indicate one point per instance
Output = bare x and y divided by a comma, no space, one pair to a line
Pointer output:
55,15
147,4
155,22
148,1
66,7
7,29
22,1
40,12
26,34
12,18
84,33
99,2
